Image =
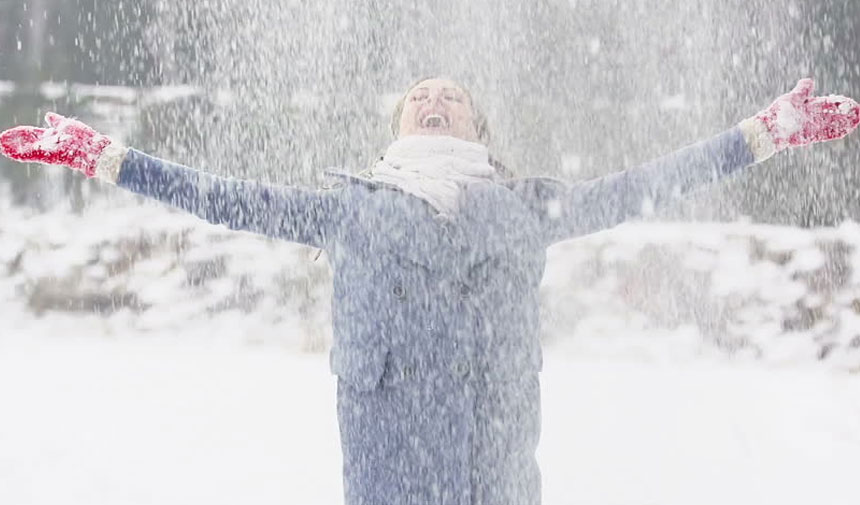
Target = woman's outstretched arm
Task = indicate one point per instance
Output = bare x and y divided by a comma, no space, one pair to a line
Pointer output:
296,214
597,204
794,119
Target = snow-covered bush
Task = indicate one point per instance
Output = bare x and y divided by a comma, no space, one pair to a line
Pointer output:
651,290
144,268
778,293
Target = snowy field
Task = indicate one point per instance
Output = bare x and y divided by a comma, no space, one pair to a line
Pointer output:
198,401
161,420
196,390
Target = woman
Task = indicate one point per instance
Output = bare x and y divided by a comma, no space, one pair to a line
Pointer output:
437,261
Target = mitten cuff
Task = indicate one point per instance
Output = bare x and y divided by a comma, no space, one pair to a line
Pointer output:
109,162
759,139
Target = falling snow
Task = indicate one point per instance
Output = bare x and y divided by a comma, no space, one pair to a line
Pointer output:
706,352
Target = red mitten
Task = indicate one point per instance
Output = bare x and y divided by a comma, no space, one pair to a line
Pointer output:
798,119
67,142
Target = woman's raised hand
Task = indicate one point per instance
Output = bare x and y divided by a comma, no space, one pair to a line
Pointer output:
66,142
798,118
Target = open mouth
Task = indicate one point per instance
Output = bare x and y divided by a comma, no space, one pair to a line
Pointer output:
435,121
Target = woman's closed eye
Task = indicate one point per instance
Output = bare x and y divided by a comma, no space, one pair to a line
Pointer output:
453,95
420,95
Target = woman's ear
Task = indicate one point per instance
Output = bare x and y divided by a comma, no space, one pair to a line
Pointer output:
501,169
481,129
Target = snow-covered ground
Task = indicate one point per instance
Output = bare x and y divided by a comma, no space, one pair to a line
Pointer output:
160,363
161,420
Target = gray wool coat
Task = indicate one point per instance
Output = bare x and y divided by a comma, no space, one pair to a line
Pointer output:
435,317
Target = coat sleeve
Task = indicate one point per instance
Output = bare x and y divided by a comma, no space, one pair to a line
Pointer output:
602,203
290,213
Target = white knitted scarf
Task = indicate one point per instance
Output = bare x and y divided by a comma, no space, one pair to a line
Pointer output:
434,168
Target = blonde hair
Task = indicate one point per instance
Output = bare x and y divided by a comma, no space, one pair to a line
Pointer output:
478,116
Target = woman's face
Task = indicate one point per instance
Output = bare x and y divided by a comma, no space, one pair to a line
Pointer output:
438,107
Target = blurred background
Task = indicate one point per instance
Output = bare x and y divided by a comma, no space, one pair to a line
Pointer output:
140,348
575,89
280,91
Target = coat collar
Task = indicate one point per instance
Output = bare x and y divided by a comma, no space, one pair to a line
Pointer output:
521,185
533,192
347,177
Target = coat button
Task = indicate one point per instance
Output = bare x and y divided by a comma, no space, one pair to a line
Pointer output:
408,372
446,232
462,369
398,291
465,290
447,227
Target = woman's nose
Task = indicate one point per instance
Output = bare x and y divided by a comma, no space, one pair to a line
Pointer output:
435,97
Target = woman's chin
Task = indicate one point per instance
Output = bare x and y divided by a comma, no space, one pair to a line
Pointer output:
435,131
442,132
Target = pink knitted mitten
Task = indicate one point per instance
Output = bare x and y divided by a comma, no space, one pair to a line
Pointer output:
67,142
798,118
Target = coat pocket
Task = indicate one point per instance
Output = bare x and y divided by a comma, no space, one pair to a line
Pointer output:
359,366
